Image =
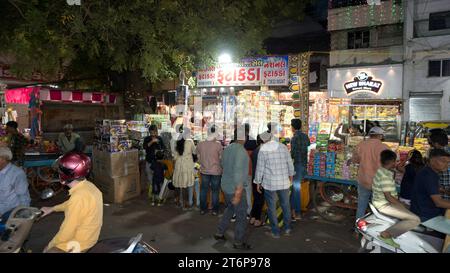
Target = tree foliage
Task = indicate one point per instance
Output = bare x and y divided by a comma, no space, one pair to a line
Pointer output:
157,38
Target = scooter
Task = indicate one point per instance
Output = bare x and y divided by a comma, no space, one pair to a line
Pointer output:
21,220
419,240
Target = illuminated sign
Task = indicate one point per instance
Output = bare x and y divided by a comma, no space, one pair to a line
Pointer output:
269,70
362,83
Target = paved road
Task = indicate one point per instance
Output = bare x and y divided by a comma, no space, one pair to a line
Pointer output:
169,229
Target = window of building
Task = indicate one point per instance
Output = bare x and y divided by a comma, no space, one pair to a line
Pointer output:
358,39
439,68
439,20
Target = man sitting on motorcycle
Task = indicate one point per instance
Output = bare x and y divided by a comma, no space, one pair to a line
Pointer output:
83,211
13,185
384,198
426,200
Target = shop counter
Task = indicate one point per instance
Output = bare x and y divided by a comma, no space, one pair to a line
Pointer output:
331,179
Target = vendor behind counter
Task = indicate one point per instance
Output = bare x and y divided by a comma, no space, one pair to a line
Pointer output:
69,141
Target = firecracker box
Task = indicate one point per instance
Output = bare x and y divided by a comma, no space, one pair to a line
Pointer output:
118,189
115,164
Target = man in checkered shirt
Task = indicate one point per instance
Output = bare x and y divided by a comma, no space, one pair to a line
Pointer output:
439,140
274,173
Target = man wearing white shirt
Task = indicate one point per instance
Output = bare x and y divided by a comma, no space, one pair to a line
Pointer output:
274,173
13,184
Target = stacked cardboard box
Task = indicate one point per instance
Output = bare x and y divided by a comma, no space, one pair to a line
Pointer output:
340,163
311,162
323,164
330,164
117,174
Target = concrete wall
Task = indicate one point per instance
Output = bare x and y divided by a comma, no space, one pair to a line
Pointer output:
422,10
421,46
366,56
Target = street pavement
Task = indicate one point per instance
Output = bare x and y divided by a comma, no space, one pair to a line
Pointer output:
169,229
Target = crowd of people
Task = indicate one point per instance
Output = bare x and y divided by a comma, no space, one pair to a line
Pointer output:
425,186
250,172
253,172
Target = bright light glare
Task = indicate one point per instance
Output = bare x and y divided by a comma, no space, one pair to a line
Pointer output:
225,58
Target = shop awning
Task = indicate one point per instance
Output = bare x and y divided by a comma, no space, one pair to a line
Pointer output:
23,95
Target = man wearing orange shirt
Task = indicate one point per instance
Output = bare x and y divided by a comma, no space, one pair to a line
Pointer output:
367,154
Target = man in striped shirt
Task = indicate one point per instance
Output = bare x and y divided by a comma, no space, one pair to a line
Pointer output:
274,173
384,198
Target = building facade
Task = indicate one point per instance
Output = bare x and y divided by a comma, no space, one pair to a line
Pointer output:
366,60
427,60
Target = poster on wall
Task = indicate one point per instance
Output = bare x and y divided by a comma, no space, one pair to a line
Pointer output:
269,70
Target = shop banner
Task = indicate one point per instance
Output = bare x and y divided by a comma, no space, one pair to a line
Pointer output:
20,95
374,82
270,71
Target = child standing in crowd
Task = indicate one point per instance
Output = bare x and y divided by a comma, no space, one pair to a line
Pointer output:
196,188
158,167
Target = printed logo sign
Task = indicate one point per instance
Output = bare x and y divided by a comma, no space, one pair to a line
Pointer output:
362,83
271,71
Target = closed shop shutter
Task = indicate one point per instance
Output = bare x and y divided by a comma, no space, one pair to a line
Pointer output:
425,108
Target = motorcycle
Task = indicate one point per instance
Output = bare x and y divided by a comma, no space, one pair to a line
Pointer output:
20,221
419,240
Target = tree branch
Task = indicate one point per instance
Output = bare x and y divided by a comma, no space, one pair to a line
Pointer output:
18,9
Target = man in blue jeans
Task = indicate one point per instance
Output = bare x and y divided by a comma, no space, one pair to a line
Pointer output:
299,154
235,162
367,155
209,154
274,173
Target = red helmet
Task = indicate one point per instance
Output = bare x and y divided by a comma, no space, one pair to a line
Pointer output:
73,166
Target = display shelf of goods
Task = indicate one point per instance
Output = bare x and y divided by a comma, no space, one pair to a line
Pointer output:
421,144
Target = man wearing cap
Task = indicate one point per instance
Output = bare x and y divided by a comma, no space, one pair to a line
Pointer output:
367,154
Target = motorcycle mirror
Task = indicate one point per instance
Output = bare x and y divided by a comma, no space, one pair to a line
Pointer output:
47,194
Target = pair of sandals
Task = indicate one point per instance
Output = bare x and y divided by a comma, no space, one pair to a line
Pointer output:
256,223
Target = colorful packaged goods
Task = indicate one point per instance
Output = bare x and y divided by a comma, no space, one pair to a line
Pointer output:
313,129
322,142
112,136
421,144
353,171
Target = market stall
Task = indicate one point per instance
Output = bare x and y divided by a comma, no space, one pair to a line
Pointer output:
47,111
254,91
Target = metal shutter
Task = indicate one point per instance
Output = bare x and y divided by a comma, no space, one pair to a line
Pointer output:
425,109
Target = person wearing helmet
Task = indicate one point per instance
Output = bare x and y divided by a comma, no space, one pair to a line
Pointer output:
83,211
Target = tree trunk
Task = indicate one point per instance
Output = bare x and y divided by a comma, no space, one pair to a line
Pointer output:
134,90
